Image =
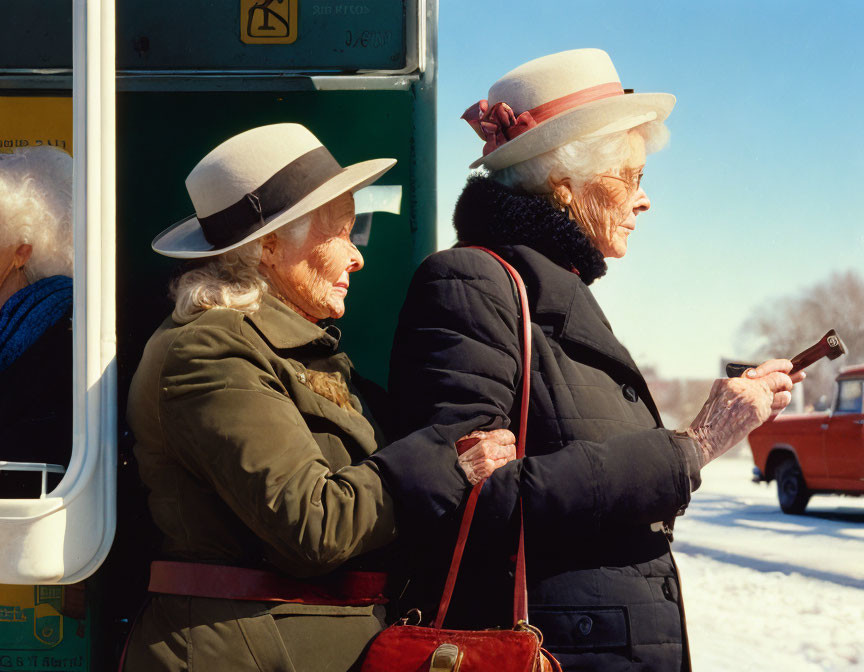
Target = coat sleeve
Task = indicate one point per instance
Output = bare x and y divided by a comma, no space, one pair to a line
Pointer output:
226,417
456,364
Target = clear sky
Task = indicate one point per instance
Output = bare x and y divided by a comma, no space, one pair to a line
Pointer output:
759,192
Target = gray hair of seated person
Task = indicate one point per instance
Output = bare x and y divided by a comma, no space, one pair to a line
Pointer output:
579,161
36,208
230,280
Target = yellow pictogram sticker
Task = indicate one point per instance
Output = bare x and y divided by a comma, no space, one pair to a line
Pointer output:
268,21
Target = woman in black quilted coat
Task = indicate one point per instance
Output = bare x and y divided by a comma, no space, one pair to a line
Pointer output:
603,480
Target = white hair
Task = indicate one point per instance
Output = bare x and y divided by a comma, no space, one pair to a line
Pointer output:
36,208
230,280
579,161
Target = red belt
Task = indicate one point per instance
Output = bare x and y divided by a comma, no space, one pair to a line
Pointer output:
236,583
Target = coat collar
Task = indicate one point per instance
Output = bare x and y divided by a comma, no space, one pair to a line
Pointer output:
283,328
490,214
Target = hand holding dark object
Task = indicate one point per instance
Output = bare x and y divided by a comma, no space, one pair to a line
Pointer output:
830,346
737,406
481,453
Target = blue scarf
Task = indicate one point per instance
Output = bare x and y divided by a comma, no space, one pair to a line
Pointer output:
29,313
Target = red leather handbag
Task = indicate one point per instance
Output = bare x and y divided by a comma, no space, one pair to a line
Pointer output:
411,648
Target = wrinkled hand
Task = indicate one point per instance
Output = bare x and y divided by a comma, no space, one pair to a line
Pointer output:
493,450
737,406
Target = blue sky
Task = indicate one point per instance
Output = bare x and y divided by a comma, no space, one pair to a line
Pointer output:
758,193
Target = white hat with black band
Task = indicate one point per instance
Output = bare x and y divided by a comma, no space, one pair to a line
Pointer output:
256,182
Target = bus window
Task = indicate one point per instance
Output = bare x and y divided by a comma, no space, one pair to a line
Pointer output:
35,296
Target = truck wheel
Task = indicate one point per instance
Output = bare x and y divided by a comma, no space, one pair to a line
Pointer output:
791,489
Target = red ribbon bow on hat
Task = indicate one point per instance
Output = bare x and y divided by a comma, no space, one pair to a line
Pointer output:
497,124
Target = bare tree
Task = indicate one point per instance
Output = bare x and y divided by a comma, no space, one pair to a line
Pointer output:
784,327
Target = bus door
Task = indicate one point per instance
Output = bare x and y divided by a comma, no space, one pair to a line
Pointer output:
57,96
359,74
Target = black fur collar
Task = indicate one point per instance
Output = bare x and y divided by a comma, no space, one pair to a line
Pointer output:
490,214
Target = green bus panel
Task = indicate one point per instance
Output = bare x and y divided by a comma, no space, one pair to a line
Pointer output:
285,35
329,35
36,34
160,137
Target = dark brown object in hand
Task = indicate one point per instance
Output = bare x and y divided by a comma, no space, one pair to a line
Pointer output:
830,346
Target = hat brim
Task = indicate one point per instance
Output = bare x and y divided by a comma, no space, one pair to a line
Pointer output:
185,239
619,113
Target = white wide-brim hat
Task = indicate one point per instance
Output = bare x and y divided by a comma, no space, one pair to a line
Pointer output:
256,182
550,101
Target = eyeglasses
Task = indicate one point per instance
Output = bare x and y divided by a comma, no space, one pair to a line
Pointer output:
632,182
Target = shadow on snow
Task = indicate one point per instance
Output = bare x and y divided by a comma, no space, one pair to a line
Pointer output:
767,565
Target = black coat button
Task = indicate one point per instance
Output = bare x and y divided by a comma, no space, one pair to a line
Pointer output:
629,393
585,624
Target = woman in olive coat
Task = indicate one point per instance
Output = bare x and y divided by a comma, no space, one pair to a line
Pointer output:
603,480
250,434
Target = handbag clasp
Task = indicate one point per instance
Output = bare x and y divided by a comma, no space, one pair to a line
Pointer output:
446,658
525,626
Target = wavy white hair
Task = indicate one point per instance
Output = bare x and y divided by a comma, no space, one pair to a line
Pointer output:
579,161
230,280
36,208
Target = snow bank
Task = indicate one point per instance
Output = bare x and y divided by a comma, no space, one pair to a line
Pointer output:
740,619
765,591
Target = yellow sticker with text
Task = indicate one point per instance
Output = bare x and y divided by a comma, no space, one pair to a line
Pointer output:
35,121
268,21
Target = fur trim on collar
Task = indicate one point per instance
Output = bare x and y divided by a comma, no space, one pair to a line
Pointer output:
490,214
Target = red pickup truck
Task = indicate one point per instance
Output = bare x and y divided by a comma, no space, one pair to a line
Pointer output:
815,453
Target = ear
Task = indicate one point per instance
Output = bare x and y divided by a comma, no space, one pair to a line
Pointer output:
269,243
22,254
561,195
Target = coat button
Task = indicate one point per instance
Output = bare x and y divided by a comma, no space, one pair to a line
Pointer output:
585,624
629,393
301,377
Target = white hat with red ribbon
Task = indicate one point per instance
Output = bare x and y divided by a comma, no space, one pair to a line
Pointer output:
550,101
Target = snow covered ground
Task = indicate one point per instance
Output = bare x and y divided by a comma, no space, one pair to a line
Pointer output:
766,591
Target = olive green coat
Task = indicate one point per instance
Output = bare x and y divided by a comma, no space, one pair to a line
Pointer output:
247,466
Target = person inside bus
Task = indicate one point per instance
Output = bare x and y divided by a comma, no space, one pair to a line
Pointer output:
250,435
602,481
35,314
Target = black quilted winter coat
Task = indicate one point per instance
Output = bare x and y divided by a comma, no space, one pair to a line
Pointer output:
600,473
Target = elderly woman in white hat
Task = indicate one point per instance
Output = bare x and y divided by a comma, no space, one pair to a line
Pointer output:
35,314
602,481
250,435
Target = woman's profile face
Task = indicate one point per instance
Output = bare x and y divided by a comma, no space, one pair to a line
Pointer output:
310,269
627,199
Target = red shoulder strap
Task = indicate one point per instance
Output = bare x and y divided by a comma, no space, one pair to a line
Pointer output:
520,591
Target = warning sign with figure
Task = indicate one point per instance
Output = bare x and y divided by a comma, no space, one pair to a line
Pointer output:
43,628
268,21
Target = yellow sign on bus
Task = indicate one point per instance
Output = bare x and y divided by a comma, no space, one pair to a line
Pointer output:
27,121
268,21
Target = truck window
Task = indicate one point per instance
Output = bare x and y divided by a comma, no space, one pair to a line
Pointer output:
849,396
